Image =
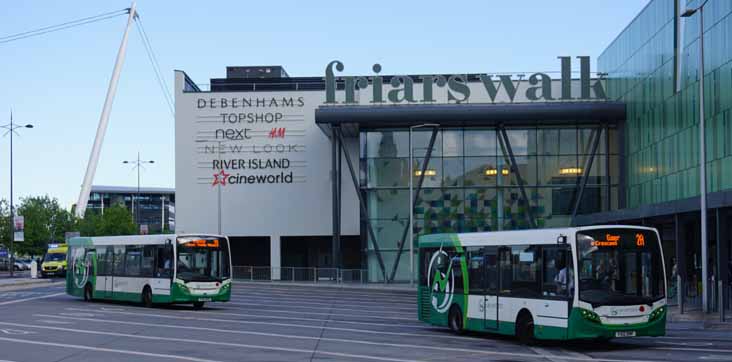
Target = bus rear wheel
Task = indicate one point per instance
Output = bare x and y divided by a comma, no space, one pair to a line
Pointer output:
147,297
88,296
455,320
197,305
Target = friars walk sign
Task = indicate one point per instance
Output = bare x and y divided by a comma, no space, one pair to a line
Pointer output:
401,89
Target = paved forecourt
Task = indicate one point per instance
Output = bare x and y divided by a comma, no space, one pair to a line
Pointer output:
281,322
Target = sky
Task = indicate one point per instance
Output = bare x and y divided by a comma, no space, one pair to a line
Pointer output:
58,81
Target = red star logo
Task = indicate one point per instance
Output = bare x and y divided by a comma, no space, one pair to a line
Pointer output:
220,178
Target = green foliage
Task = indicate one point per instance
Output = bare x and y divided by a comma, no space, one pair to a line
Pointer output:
45,221
116,220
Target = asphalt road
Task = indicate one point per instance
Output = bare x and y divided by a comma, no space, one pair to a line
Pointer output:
265,322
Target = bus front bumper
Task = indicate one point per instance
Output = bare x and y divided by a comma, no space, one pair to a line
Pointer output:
583,328
180,293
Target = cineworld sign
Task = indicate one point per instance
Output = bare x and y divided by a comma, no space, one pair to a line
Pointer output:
402,87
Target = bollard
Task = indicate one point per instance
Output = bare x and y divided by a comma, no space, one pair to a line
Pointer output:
720,299
33,269
680,293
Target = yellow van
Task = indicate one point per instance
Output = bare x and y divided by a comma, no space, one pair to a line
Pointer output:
54,262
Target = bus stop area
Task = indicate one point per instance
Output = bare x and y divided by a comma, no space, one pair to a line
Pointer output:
267,321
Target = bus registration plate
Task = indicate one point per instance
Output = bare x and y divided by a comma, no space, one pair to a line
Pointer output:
204,299
625,334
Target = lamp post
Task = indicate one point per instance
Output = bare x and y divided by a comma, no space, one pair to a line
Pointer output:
411,200
10,129
138,165
702,154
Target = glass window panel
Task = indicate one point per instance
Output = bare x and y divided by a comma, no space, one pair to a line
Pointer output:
388,204
614,143
388,233
432,174
586,137
481,171
614,169
481,204
452,143
520,140
388,172
548,170
421,141
527,168
597,171
387,144
568,141
454,174
515,209
480,142
548,141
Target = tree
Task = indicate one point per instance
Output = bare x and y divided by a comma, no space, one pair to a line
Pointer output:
45,221
116,220
4,223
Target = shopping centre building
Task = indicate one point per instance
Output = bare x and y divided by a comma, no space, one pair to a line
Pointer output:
318,171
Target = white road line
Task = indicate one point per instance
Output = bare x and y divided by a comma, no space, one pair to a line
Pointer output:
102,349
690,349
324,298
374,308
398,325
328,290
28,299
370,316
288,325
338,354
299,306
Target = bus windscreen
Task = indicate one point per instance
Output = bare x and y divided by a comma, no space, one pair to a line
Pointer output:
619,267
203,259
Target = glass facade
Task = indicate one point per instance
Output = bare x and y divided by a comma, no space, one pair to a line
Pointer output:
652,66
156,210
469,185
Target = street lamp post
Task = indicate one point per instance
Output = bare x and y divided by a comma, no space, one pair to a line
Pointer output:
411,200
136,203
10,129
702,154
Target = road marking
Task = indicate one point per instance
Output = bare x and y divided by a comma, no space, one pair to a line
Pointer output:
289,325
691,349
49,321
296,297
327,290
688,344
338,354
396,325
328,306
14,331
102,349
29,299
543,352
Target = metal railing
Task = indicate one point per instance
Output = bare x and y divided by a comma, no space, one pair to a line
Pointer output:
301,274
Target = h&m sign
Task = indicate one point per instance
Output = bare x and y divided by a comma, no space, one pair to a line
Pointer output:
458,90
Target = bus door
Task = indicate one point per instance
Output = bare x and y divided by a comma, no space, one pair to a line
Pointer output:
104,282
490,285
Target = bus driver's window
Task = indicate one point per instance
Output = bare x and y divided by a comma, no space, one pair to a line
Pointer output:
564,279
165,261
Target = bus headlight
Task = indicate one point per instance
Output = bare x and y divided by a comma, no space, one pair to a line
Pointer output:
590,315
657,314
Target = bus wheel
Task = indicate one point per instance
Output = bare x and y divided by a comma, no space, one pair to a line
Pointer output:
147,297
525,328
88,292
455,320
198,305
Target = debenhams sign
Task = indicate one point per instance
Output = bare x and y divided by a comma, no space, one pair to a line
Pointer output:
402,87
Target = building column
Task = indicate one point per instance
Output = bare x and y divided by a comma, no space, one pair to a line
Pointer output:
275,256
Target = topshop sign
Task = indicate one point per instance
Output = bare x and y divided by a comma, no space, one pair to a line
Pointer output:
401,89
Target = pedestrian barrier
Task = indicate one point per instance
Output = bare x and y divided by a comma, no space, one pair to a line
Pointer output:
300,274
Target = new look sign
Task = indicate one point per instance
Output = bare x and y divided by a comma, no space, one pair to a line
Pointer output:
491,88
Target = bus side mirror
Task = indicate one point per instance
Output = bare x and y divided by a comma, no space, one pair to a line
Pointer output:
561,239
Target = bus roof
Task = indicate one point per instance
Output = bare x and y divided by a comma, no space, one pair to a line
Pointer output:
513,237
132,239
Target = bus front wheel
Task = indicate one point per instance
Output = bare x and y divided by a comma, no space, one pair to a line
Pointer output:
455,320
525,328
88,292
147,297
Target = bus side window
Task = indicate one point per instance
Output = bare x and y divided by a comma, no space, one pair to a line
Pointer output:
119,260
475,259
557,272
148,260
457,271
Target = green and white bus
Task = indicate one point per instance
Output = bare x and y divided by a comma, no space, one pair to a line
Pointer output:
596,282
150,269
